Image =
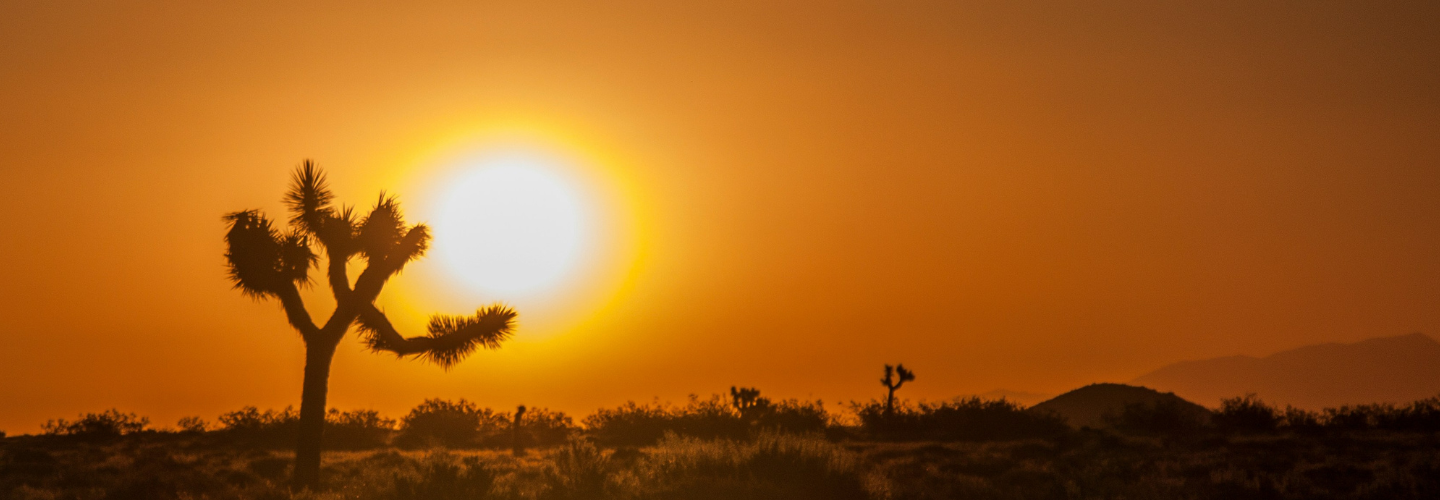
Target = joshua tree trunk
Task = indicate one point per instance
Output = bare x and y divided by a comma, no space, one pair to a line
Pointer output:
517,447
312,414
890,402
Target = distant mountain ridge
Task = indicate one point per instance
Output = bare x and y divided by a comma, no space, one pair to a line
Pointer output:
1396,369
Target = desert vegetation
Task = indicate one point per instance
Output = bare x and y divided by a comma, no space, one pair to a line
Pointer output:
743,445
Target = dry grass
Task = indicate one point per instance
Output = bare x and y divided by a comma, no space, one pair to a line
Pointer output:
1092,464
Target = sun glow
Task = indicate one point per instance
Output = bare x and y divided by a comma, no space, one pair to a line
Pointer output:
511,225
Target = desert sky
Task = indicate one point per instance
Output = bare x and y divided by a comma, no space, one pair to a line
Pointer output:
785,195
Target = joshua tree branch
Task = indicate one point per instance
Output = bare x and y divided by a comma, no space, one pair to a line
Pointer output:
339,279
450,340
295,311
383,336
368,285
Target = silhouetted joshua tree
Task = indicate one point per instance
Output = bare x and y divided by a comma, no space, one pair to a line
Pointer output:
266,263
747,401
893,385
517,447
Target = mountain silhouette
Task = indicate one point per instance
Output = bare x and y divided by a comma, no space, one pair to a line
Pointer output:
1381,370
1087,406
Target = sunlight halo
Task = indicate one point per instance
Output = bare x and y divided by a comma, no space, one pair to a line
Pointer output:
511,225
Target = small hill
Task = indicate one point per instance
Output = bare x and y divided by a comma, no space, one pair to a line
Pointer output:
1396,369
1087,406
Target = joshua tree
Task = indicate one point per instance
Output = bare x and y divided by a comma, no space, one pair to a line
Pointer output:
747,401
266,263
517,447
893,385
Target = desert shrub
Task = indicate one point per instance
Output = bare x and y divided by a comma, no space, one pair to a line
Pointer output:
543,427
437,422
356,429
709,418
579,470
1354,417
635,424
538,427
1299,420
267,428
251,419
968,419
192,425
1164,417
1246,414
792,416
107,424
1420,416
769,466
270,428
630,424
439,478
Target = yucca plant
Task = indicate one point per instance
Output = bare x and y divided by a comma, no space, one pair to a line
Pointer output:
893,383
267,263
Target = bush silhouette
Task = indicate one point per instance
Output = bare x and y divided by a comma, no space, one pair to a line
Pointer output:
1300,420
266,263
1167,417
1353,417
1419,416
793,416
770,466
453,424
542,427
357,429
442,479
966,419
1246,414
345,430
192,425
107,424
269,428
634,424
579,470
630,424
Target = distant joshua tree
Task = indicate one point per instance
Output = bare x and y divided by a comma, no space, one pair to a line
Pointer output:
517,447
892,385
266,263
747,401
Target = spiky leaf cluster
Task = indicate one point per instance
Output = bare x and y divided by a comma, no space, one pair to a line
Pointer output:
384,240
452,338
892,371
263,261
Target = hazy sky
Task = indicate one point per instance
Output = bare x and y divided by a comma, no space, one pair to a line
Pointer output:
999,195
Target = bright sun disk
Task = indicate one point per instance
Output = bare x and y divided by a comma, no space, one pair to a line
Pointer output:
510,226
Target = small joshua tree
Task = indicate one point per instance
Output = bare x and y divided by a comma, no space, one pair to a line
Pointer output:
266,263
892,384
517,447
747,401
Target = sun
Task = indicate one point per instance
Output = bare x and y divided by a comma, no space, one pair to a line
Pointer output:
511,225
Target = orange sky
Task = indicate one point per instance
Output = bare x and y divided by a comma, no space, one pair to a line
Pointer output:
998,195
